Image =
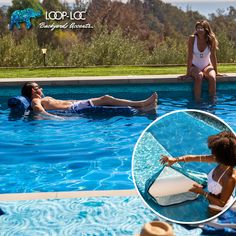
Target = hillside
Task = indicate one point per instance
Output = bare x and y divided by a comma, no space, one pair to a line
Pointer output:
136,32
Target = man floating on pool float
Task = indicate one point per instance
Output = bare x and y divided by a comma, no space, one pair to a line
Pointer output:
33,92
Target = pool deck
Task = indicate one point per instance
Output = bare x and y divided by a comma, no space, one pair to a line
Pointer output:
59,195
101,80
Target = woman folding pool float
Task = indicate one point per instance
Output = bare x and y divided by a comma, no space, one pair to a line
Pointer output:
221,180
20,105
171,136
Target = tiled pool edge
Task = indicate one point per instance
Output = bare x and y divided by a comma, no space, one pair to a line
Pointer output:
103,80
60,195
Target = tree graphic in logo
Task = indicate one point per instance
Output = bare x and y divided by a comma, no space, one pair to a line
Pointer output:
24,16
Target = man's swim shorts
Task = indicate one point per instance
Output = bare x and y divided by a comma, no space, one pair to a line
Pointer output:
77,106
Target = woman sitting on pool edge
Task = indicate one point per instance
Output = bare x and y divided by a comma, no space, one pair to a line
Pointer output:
39,103
222,179
202,60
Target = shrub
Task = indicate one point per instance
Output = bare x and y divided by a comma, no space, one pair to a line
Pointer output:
169,51
108,49
26,53
227,49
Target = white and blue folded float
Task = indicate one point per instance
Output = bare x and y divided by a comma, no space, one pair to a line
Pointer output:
171,185
21,105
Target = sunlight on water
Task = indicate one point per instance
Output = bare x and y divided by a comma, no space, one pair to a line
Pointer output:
86,153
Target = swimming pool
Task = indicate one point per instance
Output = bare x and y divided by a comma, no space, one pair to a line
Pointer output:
87,153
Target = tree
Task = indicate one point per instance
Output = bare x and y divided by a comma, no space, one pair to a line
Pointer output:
3,23
53,5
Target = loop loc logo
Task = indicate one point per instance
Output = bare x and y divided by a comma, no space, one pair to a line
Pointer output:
58,15
24,16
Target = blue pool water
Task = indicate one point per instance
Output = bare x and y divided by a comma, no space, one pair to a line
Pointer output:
82,153
174,135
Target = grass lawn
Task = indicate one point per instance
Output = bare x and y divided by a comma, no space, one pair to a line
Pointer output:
101,71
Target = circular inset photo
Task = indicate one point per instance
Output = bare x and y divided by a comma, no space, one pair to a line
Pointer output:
183,166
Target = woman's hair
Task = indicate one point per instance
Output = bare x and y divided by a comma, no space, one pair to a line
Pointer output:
211,40
223,147
26,90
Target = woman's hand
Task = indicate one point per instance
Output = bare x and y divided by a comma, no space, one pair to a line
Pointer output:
167,160
197,188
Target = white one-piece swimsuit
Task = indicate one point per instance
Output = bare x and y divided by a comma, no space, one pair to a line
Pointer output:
200,59
215,188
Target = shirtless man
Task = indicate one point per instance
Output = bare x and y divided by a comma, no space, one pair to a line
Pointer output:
41,104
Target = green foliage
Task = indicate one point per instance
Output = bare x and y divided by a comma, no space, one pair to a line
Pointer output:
108,49
77,55
65,41
53,5
54,57
23,54
3,23
227,48
26,53
168,20
169,51
6,43
114,49
132,33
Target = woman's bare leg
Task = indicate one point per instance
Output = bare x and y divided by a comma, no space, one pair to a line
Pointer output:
112,101
210,75
198,76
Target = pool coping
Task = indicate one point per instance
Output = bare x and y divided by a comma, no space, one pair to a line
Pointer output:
60,195
112,80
